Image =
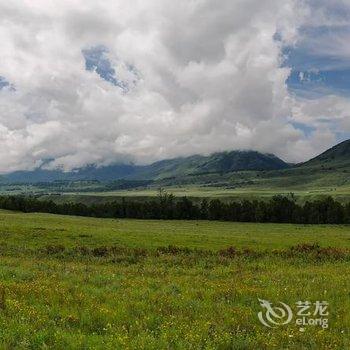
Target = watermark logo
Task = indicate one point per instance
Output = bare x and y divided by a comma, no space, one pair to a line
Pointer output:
274,316
305,314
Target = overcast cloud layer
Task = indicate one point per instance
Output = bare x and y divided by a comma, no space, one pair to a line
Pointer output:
101,82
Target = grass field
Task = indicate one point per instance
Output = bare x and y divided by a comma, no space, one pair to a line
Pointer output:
196,194
217,192
84,283
305,183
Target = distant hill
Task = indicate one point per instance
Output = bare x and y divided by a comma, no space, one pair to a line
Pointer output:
218,163
338,156
235,169
107,173
241,160
330,170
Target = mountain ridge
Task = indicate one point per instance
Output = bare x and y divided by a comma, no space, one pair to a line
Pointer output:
214,168
219,162
332,156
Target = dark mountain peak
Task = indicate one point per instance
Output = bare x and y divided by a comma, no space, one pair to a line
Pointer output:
242,160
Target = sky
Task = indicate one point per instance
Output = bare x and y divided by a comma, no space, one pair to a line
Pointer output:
115,81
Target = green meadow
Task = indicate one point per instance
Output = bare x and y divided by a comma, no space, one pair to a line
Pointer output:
197,193
85,283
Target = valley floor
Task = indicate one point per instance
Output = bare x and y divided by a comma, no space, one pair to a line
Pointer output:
197,193
84,283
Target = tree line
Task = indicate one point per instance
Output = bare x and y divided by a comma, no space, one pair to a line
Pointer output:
279,209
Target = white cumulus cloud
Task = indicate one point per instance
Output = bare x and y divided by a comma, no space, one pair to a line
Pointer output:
199,76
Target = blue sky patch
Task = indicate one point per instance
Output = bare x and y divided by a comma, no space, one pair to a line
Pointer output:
306,129
321,83
3,83
315,73
96,60
319,65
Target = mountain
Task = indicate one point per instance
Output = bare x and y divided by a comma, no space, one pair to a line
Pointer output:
241,160
239,169
218,163
107,173
328,171
338,156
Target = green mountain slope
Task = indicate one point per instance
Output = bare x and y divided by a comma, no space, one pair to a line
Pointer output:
337,156
330,170
235,169
218,163
241,160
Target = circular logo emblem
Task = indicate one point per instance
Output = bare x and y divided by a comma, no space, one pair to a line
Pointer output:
274,316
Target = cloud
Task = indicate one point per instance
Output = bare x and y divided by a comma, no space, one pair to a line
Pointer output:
102,82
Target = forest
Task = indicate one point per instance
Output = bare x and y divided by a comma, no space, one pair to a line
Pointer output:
279,209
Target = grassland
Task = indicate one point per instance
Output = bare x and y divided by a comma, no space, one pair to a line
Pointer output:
197,193
84,283
306,182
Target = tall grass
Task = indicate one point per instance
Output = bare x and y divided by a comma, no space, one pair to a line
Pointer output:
82,283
